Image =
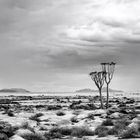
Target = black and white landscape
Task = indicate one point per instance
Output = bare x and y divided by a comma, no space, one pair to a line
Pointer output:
69,69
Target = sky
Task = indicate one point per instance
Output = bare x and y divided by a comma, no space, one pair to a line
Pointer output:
52,45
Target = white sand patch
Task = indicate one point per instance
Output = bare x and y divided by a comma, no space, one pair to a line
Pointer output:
16,137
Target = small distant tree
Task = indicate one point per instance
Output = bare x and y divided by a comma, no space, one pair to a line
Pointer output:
98,78
108,69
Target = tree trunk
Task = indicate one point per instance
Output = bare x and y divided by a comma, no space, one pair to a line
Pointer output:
100,91
107,95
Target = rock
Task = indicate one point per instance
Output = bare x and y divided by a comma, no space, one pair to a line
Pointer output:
16,137
3,136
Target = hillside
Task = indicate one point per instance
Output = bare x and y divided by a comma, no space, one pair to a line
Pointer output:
15,90
85,90
92,90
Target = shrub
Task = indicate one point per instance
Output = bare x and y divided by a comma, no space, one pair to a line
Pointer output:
74,119
54,107
6,128
53,133
107,122
101,131
3,136
119,126
10,113
65,131
76,112
36,117
60,113
39,114
91,116
81,131
62,130
129,133
33,136
25,125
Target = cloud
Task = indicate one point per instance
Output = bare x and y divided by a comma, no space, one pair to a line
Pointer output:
110,21
47,41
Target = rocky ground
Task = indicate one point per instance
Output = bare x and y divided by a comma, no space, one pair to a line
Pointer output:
69,118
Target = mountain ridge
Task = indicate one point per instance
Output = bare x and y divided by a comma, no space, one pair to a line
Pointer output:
15,90
92,90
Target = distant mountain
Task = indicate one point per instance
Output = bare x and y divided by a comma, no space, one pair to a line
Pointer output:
92,90
15,90
85,90
111,90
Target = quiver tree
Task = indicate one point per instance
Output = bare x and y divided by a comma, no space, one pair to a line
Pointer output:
108,69
98,78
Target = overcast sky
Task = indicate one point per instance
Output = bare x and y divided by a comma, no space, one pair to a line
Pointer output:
52,45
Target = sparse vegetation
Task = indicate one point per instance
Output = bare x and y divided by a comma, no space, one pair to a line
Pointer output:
90,116
36,117
6,129
76,112
66,131
118,127
130,133
33,136
60,113
25,125
101,131
10,113
3,136
119,121
74,119
54,107
108,122
81,131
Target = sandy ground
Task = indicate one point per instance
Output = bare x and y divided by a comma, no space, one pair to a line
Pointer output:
50,119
